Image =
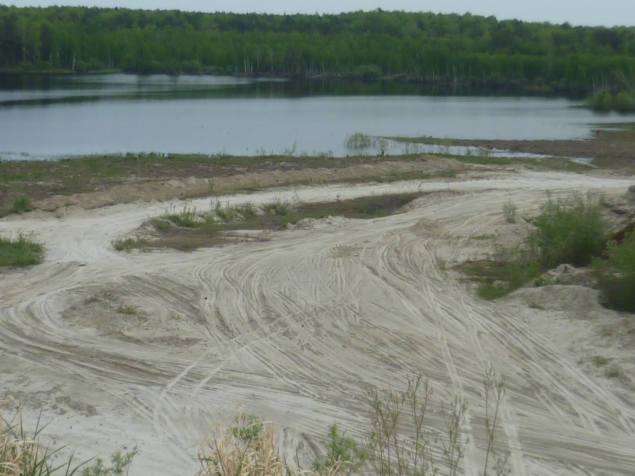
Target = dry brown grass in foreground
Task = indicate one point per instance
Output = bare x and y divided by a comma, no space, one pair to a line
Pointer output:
250,454
20,455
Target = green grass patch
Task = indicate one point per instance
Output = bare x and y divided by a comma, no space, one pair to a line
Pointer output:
188,218
599,361
498,278
127,244
191,229
127,310
21,204
20,252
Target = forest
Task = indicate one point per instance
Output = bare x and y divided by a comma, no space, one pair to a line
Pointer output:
422,47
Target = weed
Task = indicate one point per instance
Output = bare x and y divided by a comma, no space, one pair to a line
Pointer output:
161,224
358,141
120,465
614,371
247,210
127,310
343,453
534,305
497,278
399,445
249,427
21,252
127,244
276,208
394,416
226,213
494,396
22,204
230,455
568,232
275,215
92,299
188,218
600,361
509,210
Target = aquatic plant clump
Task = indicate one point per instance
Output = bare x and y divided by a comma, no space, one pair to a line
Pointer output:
359,141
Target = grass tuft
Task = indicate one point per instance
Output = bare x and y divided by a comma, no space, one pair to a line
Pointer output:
498,278
127,310
127,244
20,252
188,218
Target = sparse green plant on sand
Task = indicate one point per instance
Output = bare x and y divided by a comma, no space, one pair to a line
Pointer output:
127,244
343,453
120,465
509,210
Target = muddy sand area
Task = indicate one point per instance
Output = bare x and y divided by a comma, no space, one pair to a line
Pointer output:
156,349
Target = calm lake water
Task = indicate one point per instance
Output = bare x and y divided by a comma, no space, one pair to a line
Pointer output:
52,116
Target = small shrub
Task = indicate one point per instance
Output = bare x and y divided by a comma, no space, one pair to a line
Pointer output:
127,310
20,252
625,102
509,210
600,361
617,281
120,465
614,371
601,101
568,232
247,210
22,204
249,427
276,208
343,453
498,278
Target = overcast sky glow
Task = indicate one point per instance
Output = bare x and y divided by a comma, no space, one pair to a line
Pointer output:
576,12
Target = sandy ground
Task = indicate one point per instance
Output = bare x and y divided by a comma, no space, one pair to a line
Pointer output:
296,327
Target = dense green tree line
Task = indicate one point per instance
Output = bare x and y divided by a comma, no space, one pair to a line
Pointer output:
416,46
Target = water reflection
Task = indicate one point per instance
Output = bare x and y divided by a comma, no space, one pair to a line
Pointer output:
51,116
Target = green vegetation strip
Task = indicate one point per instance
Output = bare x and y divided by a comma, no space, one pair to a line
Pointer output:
20,252
190,229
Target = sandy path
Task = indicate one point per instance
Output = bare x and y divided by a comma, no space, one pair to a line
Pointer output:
295,329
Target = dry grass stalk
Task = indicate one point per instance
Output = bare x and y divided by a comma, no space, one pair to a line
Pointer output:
18,453
229,455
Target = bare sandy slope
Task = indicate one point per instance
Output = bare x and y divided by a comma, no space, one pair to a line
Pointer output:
295,328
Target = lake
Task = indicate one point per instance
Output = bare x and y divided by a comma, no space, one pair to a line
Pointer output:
53,116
